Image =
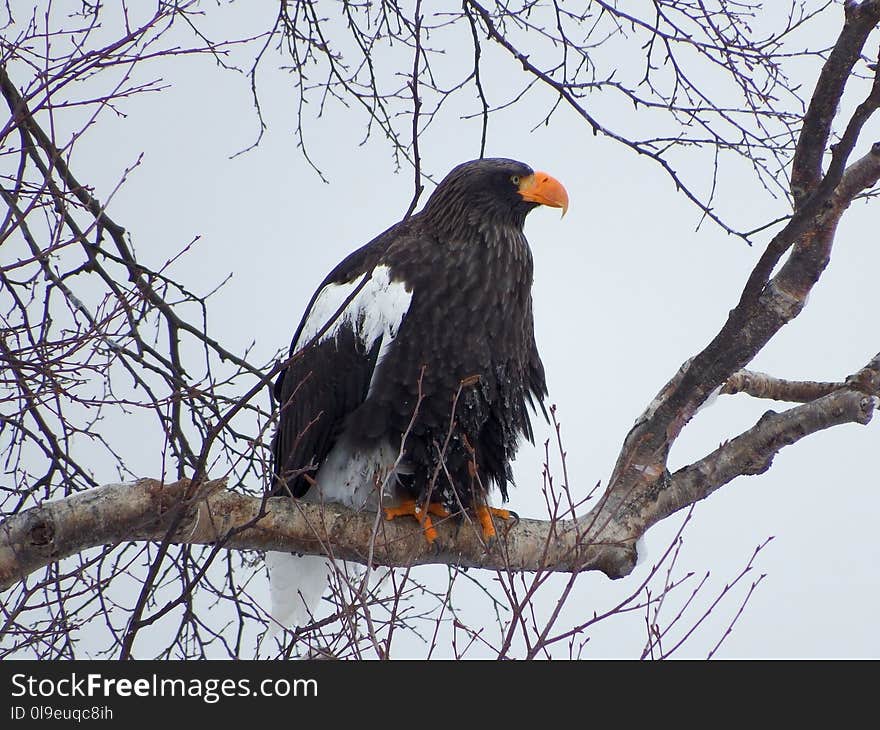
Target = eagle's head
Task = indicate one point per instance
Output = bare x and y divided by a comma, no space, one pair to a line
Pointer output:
493,189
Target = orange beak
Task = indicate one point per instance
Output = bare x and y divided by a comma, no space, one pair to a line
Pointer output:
544,189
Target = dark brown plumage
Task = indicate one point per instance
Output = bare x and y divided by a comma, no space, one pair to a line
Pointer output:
468,266
435,311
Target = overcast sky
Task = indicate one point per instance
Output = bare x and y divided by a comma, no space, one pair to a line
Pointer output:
625,290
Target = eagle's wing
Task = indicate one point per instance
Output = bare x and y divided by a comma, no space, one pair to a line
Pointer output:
537,387
352,318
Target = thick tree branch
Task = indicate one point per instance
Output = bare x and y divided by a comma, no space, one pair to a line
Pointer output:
144,510
752,452
860,20
600,540
766,304
861,175
762,385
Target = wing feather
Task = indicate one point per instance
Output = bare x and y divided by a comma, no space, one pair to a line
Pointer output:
349,326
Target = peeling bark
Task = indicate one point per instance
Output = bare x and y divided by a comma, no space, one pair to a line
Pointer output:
144,510
762,385
603,539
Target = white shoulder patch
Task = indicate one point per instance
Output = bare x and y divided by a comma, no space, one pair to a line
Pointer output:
375,312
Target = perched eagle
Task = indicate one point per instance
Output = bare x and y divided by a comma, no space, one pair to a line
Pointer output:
415,367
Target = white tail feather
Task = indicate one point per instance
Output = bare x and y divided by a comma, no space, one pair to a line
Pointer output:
296,584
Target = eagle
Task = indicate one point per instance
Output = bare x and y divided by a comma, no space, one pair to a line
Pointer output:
414,368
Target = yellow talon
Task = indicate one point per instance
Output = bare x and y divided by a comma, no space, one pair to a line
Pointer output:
485,515
411,508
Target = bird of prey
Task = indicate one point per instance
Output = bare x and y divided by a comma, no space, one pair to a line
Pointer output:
414,368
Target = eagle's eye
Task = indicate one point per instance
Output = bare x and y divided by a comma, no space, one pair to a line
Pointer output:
514,179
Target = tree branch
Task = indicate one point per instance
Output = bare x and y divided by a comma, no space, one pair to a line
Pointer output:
144,510
600,540
766,303
861,175
762,385
860,20
752,452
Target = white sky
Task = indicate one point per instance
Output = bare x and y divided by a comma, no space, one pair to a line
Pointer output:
625,290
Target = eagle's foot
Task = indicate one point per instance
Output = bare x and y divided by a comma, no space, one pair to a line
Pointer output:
411,508
485,514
